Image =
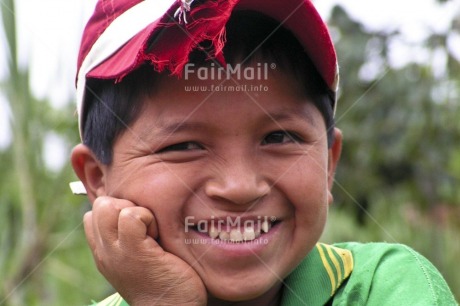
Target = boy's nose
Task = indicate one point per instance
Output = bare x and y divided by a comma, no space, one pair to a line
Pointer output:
237,184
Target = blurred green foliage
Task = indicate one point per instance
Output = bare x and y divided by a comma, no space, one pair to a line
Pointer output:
399,173
44,259
398,180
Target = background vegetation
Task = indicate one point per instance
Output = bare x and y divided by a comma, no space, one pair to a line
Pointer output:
398,180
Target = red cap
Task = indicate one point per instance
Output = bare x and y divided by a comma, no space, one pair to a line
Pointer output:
123,34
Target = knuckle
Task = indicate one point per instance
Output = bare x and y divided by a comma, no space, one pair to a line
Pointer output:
129,212
103,203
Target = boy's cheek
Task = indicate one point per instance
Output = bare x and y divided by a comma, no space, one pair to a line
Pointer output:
159,191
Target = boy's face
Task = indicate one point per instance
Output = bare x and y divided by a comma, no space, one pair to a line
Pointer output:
232,160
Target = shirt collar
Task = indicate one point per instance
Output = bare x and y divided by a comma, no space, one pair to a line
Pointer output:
318,276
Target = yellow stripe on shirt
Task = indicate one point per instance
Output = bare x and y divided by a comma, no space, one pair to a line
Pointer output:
336,264
342,262
327,267
346,258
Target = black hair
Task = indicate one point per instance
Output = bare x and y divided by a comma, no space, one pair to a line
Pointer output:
110,107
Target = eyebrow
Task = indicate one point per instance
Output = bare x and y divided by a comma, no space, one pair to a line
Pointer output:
291,115
166,128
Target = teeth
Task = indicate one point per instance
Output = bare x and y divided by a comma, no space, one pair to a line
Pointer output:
236,236
266,226
249,234
224,236
213,232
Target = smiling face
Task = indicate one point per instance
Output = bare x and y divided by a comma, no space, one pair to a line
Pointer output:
239,182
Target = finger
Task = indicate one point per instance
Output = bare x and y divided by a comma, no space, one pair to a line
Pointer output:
106,211
133,227
105,221
89,232
152,229
92,241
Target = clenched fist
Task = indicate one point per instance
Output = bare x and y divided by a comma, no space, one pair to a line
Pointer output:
122,239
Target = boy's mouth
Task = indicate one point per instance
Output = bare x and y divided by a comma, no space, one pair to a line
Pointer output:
238,234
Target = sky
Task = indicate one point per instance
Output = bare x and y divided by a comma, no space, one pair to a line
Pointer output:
50,31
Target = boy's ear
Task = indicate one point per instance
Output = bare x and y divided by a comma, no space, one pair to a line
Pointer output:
334,156
89,170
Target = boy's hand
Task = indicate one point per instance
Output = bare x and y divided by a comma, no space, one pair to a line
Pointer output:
122,238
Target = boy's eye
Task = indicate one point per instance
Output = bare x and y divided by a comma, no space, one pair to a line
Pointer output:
183,146
280,137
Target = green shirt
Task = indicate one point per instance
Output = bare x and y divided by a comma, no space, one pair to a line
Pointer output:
358,274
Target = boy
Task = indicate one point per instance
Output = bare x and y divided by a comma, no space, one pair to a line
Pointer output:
209,152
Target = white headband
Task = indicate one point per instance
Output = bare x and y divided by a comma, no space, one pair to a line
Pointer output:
118,33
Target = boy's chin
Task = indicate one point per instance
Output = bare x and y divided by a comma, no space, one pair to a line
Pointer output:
242,291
